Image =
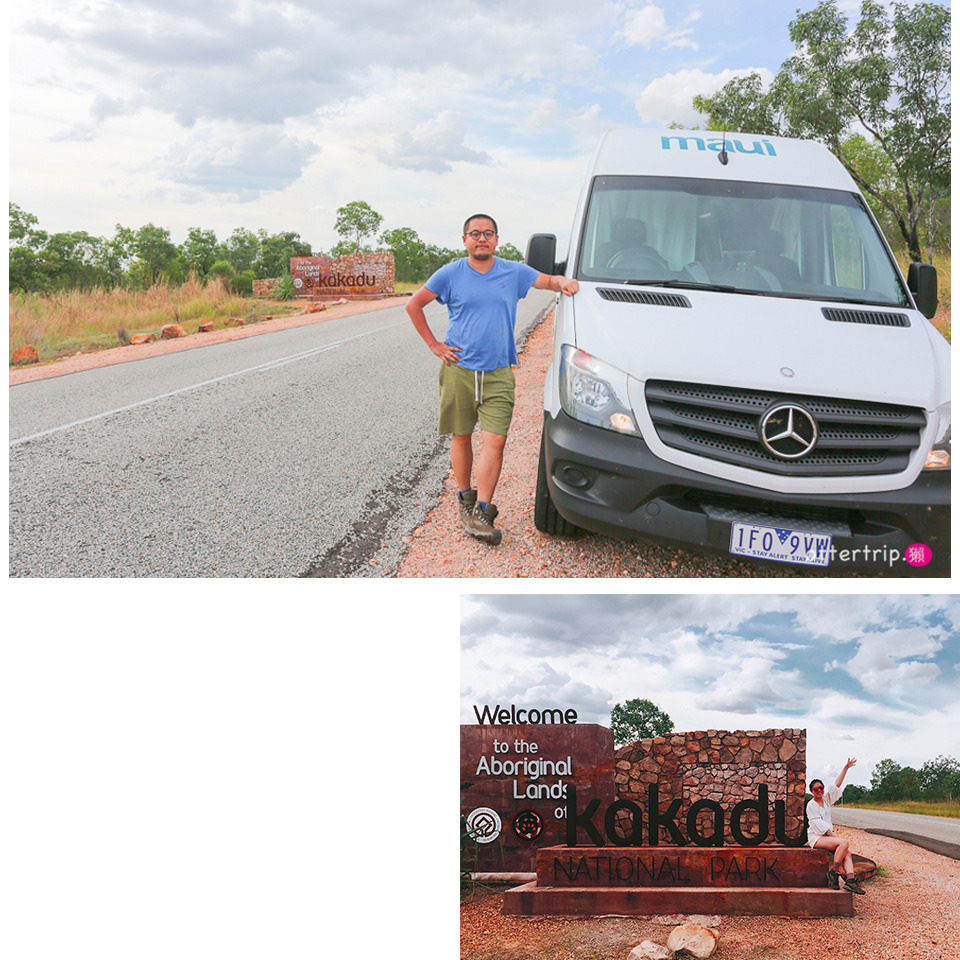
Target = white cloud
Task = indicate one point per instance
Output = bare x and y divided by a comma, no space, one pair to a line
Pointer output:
434,146
243,163
670,98
888,660
647,27
545,113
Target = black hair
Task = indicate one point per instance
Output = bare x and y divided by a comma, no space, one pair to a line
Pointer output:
479,216
812,782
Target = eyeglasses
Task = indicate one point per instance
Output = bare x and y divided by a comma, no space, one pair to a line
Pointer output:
486,234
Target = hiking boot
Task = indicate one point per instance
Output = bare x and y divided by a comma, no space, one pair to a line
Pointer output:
833,879
480,524
853,885
466,502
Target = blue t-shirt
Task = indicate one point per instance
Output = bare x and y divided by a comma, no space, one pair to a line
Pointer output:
483,309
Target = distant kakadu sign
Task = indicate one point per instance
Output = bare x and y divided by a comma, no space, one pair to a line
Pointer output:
357,275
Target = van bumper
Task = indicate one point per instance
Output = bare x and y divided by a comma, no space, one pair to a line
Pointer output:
613,484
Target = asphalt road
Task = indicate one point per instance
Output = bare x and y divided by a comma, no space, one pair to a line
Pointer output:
940,834
310,451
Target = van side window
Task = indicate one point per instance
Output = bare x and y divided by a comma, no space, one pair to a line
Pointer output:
847,250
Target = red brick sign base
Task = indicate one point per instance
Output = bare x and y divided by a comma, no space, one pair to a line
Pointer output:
765,879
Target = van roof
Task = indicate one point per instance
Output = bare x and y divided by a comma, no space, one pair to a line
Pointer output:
695,153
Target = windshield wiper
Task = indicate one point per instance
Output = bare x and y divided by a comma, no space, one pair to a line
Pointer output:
830,298
692,285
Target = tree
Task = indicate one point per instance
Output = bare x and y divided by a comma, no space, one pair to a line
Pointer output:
741,105
243,249
276,251
81,259
509,252
200,251
409,253
157,257
33,270
855,792
435,257
874,166
23,229
638,720
890,77
885,780
357,220
940,779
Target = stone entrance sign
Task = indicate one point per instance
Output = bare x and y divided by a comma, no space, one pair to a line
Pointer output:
357,275
513,786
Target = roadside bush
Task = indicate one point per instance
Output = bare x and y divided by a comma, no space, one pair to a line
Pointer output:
222,269
243,283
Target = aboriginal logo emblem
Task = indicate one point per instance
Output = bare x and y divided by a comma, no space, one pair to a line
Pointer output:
528,825
483,825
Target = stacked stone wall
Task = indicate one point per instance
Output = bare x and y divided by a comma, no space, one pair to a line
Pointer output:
265,288
723,766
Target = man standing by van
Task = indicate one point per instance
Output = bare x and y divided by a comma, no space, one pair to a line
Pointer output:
480,292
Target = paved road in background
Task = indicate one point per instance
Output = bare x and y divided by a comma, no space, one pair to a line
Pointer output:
307,451
940,834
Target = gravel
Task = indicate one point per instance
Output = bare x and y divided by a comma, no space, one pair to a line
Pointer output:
910,912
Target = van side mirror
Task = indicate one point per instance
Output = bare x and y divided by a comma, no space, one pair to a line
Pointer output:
542,253
922,283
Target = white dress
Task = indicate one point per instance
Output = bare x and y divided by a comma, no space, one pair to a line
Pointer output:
819,820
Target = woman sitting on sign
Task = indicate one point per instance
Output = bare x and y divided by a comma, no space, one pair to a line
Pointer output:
820,831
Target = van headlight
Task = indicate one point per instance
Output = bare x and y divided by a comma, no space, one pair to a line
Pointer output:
938,457
594,392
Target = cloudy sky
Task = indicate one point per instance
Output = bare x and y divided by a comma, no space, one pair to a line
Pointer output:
258,113
867,676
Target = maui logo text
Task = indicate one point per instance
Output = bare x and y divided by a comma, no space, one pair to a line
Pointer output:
761,147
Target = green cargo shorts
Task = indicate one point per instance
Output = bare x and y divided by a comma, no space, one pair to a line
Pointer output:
469,395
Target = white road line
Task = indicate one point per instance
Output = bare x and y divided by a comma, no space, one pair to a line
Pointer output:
271,364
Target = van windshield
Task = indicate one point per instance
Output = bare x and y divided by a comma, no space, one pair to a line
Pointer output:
770,239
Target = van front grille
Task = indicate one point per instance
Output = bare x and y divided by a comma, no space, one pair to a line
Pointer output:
854,438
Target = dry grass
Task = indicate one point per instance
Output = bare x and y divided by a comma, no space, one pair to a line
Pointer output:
942,320
82,321
944,288
931,808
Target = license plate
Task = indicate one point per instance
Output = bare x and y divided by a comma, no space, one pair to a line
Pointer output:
780,543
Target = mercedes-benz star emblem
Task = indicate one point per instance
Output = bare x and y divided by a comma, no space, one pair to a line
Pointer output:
788,431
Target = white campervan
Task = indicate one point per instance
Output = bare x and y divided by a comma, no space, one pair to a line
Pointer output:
744,369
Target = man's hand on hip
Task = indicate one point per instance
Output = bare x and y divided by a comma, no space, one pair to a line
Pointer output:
445,352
